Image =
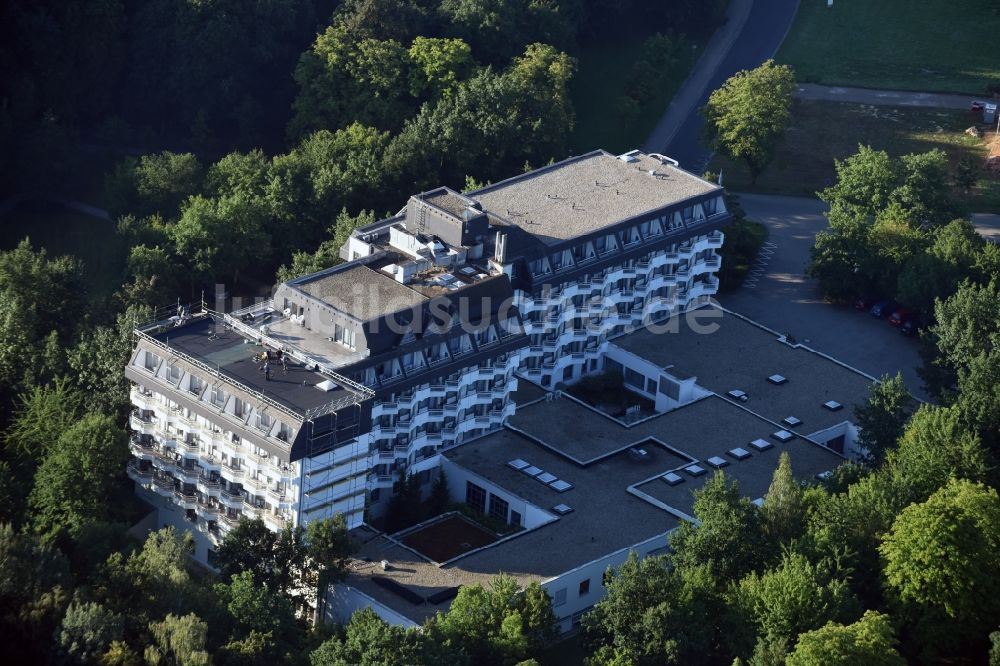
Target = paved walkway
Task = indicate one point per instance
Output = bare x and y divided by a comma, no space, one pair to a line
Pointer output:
686,99
883,97
752,34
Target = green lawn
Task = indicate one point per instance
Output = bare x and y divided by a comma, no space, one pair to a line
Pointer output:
821,132
920,45
602,73
61,230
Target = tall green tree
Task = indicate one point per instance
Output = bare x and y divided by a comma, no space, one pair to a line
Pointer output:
882,417
499,624
86,632
79,476
369,639
747,116
179,641
942,568
795,597
865,180
869,641
784,511
728,540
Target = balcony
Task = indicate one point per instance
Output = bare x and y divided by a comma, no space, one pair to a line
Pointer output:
208,485
277,496
234,470
229,520
276,520
210,511
185,499
231,498
163,485
138,474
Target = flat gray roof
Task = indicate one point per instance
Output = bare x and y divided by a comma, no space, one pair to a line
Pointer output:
586,193
606,517
361,292
741,355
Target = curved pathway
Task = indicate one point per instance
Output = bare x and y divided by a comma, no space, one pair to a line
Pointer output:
752,33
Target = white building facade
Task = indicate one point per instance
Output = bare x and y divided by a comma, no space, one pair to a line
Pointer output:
413,345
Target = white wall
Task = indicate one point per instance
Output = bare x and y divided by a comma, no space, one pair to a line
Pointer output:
850,432
531,516
594,572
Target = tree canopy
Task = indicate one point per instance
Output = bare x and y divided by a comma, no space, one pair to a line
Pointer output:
746,117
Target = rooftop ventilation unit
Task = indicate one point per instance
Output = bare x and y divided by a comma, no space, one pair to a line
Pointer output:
783,436
672,479
561,486
517,464
761,444
737,394
739,453
546,478
562,509
638,453
777,380
791,421
326,385
833,405
717,462
823,476
695,470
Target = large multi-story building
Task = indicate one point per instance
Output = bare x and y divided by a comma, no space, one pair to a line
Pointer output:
314,402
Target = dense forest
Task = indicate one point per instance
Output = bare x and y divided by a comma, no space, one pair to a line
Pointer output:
250,138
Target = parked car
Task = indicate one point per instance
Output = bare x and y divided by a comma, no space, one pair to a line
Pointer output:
865,303
900,316
884,308
911,326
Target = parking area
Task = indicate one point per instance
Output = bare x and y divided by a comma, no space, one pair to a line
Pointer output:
787,301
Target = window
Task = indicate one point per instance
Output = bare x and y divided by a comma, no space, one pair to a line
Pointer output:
218,396
559,597
515,519
584,587
174,372
264,421
196,385
151,361
633,378
475,497
498,508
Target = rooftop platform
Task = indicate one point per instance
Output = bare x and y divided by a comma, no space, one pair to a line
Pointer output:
208,340
586,193
780,379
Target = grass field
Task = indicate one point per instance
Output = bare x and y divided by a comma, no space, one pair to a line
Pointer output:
821,132
61,230
602,72
922,45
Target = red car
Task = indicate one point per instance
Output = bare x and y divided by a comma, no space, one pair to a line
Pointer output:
900,316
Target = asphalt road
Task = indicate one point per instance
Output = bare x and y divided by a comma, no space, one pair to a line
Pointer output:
784,299
763,31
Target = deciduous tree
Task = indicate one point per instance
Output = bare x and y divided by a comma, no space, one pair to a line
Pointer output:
882,417
746,117
869,641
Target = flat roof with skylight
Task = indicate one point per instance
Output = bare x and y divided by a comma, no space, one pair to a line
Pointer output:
801,389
